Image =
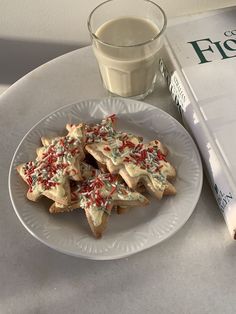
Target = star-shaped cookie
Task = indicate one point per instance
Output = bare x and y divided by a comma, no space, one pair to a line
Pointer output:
99,194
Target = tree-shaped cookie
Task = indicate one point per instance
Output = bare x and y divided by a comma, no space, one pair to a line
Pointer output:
87,171
138,163
55,164
101,132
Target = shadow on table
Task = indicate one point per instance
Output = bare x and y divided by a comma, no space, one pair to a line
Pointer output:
18,57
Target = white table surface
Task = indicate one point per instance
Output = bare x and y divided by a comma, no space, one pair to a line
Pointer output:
192,272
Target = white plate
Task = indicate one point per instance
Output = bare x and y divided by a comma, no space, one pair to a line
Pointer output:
131,232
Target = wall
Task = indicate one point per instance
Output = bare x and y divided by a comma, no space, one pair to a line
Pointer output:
64,21
35,31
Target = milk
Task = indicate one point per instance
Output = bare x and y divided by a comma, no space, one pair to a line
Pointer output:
127,59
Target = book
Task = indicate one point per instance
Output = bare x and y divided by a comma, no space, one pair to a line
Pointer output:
199,65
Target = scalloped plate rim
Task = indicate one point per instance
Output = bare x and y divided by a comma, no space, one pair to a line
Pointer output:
116,255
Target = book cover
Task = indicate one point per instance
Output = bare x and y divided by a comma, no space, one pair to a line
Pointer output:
199,64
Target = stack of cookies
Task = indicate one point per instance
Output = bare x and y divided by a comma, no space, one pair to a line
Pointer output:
98,169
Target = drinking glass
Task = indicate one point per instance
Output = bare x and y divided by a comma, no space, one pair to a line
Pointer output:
127,38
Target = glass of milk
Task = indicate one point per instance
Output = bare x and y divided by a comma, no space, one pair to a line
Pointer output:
127,37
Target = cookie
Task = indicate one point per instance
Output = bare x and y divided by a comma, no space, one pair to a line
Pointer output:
87,171
138,163
56,163
96,133
112,152
99,194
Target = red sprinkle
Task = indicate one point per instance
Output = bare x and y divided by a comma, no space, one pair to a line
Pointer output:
143,154
113,190
98,183
112,117
129,144
127,159
126,143
161,156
